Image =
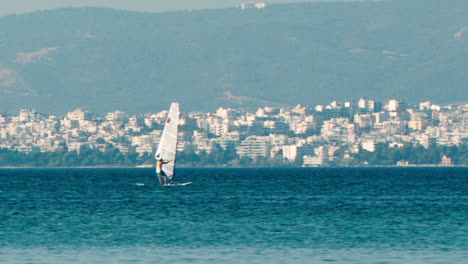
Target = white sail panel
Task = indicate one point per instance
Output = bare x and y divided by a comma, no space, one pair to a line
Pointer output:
167,147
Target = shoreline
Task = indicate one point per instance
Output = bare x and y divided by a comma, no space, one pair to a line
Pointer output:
215,167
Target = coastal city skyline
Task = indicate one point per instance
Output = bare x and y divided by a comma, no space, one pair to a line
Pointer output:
322,135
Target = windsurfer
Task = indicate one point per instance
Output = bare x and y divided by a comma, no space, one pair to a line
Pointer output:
161,175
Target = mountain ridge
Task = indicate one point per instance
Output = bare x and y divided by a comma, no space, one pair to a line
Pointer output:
308,53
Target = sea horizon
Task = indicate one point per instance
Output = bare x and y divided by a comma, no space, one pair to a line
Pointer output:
230,167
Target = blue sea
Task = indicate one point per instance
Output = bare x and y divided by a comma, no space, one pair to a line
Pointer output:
274,215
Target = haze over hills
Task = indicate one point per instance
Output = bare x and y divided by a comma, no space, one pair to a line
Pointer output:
105,60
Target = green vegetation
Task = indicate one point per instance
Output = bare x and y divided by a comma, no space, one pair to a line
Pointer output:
229,158
418,155
85,157
382,156
113,157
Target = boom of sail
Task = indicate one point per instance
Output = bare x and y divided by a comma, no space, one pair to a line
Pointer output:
167,148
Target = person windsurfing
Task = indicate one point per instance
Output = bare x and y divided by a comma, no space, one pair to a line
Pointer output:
163,179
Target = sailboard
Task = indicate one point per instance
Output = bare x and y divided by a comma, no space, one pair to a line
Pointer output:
167,148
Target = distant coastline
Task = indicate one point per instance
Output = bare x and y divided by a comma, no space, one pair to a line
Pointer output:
226,167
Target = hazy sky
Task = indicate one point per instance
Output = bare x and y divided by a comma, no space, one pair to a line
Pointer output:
24,6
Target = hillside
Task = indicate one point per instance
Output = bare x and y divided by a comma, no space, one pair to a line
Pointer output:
104,59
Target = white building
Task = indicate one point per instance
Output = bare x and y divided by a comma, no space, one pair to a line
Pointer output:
393,105
363,120
368,145
311,161
257,5
26,115
116,116
78,115
254,147
425,105
362,103
290,152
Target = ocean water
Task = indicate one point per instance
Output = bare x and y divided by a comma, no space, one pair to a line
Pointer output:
323,215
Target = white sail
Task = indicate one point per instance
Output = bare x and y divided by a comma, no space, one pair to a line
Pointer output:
167,147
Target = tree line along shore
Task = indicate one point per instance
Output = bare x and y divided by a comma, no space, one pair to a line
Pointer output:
383,155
